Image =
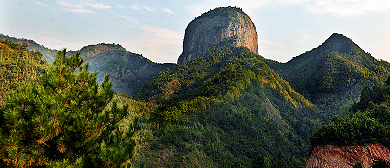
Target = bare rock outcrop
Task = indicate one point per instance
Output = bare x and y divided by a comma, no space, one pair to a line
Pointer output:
222,26
330,156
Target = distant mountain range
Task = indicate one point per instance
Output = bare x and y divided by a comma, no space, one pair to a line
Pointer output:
129,71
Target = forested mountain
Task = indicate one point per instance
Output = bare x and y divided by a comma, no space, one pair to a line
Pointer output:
368,123
229,107
332,75
224,109
129,71
18,66
47,54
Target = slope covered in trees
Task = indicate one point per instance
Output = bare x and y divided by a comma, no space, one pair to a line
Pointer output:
47,54
18,66
129,71
333,74
224,109
368,121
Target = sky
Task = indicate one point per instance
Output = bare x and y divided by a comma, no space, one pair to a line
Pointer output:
155,28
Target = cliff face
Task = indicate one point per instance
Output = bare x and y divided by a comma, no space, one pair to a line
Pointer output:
221,26
330,156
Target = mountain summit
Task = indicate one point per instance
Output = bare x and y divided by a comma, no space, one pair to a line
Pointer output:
222,26
332,75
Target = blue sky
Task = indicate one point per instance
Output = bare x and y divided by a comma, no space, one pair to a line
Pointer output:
155,28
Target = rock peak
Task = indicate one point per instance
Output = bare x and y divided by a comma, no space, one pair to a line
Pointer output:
226,26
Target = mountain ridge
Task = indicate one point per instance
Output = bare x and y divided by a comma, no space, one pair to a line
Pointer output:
125,79
219,90
335,72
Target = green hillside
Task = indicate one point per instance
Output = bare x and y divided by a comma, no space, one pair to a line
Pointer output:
368,122
47,54
224,109
332,75
18,67
128,71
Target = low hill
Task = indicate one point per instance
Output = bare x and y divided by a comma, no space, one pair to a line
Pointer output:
333,74
223,109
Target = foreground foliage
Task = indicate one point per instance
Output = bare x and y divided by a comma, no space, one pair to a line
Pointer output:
62,120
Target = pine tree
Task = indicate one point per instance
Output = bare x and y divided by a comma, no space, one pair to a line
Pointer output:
61,120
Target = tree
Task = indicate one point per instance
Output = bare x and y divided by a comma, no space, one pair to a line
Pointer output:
380,163
261,162
358,164
61,120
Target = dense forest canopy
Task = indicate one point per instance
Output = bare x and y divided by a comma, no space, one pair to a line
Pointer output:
225,108
367,122
62,120
332,75
18,66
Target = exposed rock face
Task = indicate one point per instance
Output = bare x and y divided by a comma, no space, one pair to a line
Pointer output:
221,26
330,156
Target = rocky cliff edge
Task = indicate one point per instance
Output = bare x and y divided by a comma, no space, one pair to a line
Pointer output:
330,156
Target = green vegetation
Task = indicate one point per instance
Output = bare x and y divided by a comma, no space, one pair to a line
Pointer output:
47,54
18,66
93,50
224,109
63,121
332,75
128,71
379,163
227,108
368,121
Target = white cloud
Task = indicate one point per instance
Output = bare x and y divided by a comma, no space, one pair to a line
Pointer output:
167,10
270,43
149,8
132,20
305,37
41,3
120,6
348,8
98,5
74,6
158,44
135,7
78,10
340,8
